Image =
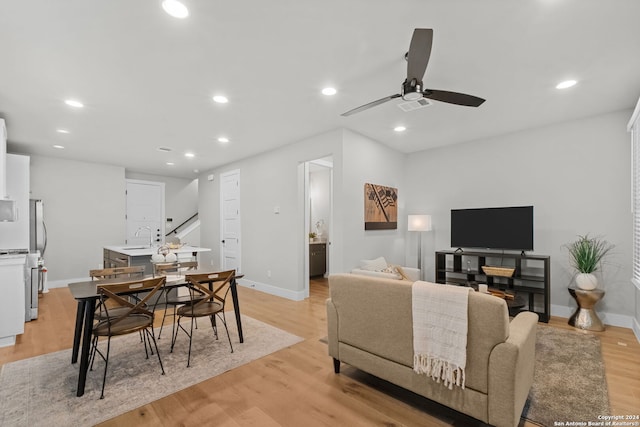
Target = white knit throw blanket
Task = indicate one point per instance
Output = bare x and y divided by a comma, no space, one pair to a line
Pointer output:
440,331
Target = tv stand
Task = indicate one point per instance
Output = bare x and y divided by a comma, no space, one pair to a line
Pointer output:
531,278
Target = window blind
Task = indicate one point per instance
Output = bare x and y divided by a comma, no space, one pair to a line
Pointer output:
635,168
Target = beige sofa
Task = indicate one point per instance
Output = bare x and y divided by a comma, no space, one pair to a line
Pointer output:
370,327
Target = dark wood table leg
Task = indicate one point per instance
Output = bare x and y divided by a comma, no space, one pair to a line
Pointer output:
236,308
89,309
78,331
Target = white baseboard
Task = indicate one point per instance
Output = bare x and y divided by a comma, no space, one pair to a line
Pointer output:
636,329
273,290
65,282
8,341
612,319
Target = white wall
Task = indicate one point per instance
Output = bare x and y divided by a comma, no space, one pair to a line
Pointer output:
368,161
275,242
576,175
320,189
269,241
84,205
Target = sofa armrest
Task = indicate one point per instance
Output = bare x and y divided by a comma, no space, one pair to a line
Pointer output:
332,329
412,274
511,371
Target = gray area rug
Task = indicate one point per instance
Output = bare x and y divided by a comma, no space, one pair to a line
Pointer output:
569,382
41,391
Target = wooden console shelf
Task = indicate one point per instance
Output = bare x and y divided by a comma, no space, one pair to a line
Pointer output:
531,278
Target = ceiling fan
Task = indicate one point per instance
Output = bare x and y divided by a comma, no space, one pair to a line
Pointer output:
412,89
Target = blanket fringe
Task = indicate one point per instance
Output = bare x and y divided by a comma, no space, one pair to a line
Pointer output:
438,370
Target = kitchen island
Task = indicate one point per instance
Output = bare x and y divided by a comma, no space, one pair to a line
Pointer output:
126,256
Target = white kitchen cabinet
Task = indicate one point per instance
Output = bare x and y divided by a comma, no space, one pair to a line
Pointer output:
12,303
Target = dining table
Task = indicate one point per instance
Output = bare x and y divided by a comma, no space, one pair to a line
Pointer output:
86,294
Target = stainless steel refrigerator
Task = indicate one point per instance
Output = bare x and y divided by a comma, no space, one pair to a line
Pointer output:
36,274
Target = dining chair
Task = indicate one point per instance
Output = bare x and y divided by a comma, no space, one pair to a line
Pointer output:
172,297
133,317
113,273
215,288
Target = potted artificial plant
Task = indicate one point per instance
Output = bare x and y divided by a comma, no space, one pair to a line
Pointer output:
586,254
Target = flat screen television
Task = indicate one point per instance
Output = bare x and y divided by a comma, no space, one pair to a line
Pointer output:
509,228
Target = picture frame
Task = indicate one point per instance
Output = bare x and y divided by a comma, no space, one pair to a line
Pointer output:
380,207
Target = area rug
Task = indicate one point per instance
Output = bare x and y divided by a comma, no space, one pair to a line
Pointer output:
41,391
569,382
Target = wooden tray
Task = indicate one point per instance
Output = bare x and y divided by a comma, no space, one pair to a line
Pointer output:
498,271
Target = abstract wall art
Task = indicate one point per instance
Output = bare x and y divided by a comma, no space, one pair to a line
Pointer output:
380,207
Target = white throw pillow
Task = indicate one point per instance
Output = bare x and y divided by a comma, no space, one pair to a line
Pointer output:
377,264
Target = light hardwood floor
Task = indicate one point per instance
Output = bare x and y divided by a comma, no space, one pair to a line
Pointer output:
296,386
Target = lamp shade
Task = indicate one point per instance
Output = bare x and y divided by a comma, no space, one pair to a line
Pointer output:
419,223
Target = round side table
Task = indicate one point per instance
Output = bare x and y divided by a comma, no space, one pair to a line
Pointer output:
585,316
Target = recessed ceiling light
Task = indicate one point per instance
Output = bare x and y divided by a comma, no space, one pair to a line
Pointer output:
164,149
220,99
196,171
223,139
59,147
175,8
190,155
566,84
62,131
74,103
329,91
399,128
170,163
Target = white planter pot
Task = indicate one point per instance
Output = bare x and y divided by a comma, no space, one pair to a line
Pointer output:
586,281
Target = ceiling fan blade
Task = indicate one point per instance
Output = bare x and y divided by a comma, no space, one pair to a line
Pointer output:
370,105
453,97
419,53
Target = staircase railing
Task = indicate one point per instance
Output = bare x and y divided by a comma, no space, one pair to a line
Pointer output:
185,222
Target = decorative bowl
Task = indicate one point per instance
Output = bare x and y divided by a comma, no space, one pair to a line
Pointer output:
498,271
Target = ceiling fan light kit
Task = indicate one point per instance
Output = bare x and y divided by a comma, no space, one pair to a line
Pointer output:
412,88
411,91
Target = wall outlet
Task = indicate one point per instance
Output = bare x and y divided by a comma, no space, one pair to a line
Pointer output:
268,273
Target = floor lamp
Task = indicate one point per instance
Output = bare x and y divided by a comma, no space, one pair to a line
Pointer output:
419,223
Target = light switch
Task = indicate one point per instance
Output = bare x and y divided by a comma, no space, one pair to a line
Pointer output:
276,210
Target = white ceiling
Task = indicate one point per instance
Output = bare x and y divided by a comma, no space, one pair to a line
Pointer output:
147,79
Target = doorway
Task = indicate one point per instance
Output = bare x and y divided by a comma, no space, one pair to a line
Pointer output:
318,221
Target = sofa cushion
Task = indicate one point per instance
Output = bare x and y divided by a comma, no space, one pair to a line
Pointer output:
380,274
378,264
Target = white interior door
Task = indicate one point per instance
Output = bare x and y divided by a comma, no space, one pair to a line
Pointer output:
145,208
230,220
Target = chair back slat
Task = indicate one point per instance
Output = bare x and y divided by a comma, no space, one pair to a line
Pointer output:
217,280
106,273
116,291
175,267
